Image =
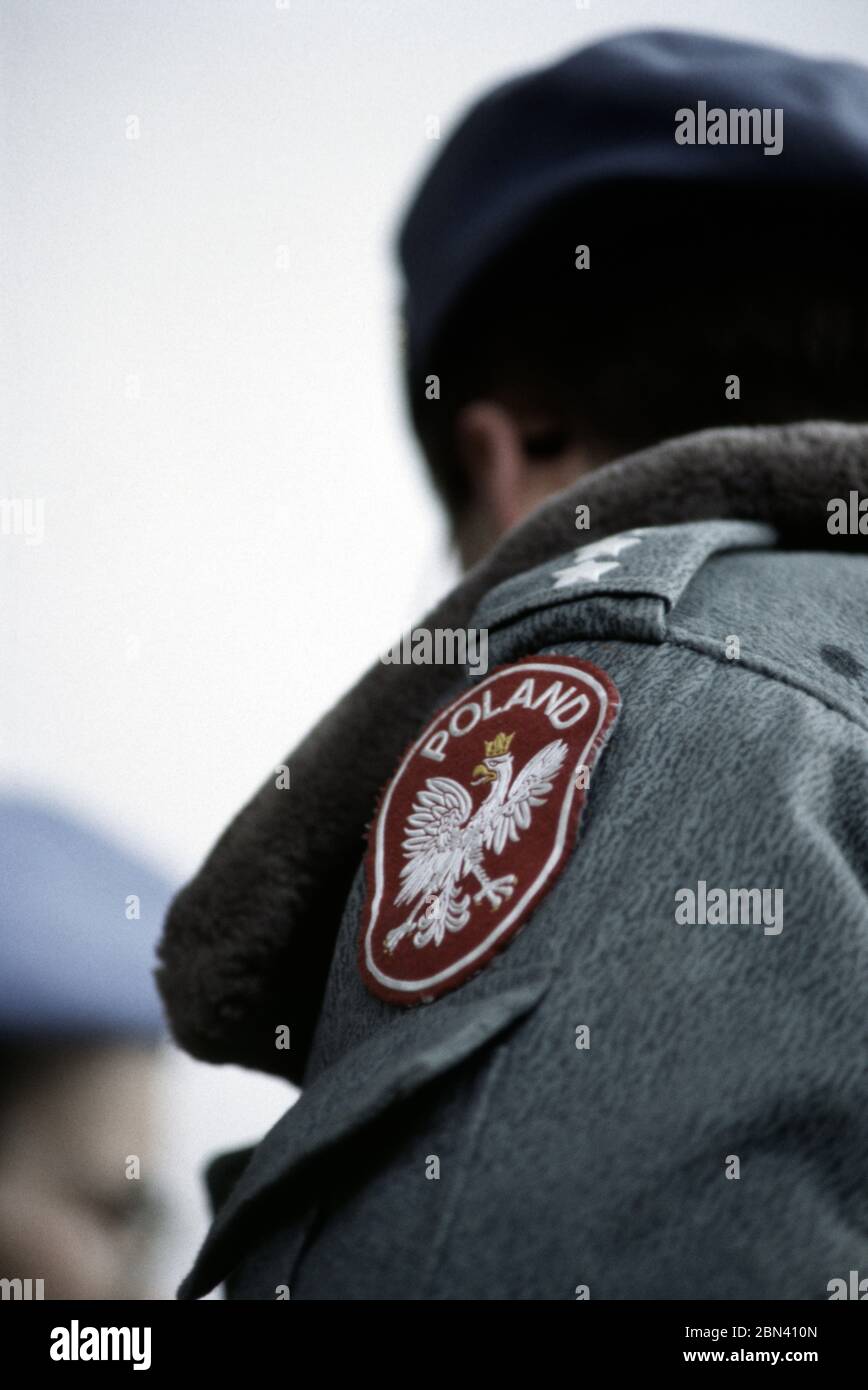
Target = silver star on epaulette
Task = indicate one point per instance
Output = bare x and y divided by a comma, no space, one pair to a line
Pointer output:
587,567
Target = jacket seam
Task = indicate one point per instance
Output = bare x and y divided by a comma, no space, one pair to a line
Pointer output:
538,602
785,678
447,1221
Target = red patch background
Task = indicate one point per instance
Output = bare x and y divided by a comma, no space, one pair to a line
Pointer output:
532,729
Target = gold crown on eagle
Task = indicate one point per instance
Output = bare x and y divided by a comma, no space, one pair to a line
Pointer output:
499,745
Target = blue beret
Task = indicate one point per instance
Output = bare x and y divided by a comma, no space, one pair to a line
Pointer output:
605,115
74,956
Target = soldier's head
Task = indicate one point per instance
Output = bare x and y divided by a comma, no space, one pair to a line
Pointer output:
560,316
80,1027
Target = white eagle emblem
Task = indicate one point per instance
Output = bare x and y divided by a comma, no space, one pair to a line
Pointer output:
445,842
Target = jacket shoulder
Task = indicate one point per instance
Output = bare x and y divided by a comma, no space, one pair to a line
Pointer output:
725,590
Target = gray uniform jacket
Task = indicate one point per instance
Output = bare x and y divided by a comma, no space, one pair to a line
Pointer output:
656,1089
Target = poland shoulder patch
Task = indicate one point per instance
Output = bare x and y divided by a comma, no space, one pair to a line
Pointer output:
477,823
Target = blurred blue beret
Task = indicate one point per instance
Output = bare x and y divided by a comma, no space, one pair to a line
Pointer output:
606,115
71,960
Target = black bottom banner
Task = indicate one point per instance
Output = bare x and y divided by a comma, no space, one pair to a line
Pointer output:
251,1340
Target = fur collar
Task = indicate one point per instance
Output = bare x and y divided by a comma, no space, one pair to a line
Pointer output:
248,943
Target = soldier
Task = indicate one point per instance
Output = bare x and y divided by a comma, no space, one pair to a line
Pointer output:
80,1029
586,1017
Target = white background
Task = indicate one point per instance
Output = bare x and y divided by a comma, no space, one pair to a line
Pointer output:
236,520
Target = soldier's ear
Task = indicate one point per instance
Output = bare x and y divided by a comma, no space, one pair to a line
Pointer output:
490,446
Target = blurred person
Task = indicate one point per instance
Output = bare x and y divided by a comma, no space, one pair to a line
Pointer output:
587,1019
80,1023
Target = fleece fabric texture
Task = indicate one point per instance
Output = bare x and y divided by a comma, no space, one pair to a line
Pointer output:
250,940
709,1138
